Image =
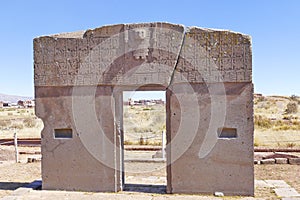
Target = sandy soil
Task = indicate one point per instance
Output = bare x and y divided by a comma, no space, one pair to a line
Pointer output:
14,175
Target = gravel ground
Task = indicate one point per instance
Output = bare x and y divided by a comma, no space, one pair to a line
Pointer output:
14,175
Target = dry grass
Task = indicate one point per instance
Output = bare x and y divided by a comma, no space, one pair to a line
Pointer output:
143,125
20,120
282,139
275,107
274,126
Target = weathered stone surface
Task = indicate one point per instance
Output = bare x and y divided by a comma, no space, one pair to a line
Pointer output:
106,55
111,55
224,154
215,56
79,79
64,163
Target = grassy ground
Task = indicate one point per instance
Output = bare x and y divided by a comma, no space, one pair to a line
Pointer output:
277,139
20,120
275,124
144,124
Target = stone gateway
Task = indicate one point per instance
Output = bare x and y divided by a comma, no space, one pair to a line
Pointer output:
79,81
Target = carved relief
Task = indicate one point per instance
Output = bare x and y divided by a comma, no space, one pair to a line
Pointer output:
206,55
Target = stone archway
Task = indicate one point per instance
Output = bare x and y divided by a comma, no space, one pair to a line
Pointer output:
207,75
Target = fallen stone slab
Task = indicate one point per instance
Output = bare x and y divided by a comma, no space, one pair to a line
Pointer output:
262,184
294,161
277,183
281,160
268,161
286,192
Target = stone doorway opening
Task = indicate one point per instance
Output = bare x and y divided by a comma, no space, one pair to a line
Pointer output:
144,141
207,75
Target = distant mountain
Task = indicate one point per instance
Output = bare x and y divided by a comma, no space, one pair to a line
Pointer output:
13,98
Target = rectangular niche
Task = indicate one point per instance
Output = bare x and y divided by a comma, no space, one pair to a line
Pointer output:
63,133
225,132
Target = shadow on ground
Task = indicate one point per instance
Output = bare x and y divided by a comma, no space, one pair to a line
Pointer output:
11,185
144,188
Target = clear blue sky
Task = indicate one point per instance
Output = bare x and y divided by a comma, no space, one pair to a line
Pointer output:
274,26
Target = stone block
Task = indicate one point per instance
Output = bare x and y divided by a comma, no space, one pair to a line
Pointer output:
294,161
262,184
286,192
267,161
277,183
281,160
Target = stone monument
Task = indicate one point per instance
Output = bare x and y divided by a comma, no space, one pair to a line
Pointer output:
79,81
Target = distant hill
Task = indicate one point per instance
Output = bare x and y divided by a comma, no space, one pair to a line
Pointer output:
13,98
